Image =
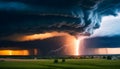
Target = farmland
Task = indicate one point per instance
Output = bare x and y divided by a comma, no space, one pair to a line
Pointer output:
69,63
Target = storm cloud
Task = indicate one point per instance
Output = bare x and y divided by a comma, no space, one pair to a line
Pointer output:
38,16
45,47
103,42
30,18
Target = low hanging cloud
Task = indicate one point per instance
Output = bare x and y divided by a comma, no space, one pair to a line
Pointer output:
32,37
103,42
40,16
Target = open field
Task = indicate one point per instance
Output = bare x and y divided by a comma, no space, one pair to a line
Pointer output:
69,64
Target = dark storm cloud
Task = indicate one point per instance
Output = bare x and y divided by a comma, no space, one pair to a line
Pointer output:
37,16
44,46
103,42
109,7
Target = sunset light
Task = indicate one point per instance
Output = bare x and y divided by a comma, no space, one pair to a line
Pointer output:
41,36
14,52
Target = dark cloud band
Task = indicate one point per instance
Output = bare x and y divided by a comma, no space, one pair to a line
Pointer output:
36,16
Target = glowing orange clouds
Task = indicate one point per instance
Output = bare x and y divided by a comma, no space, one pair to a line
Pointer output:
14,52
68,40
70,43
18,37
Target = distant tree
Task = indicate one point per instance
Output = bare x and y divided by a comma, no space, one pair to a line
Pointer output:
63,60
109,57
104,57
55,60
91,57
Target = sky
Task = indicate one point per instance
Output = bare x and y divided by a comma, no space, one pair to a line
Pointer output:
54,25
106,39
109,26
108,35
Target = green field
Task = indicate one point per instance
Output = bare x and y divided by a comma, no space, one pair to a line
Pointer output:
69,64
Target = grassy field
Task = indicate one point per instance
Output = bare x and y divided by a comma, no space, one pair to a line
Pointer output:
69,64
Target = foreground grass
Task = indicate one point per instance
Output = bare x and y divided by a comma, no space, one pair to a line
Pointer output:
69,64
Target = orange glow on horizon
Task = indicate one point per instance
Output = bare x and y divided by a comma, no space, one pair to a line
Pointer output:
14,52
35,51
113,50
107,50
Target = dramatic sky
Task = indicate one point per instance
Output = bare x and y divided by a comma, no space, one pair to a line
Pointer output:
108,35
53,25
